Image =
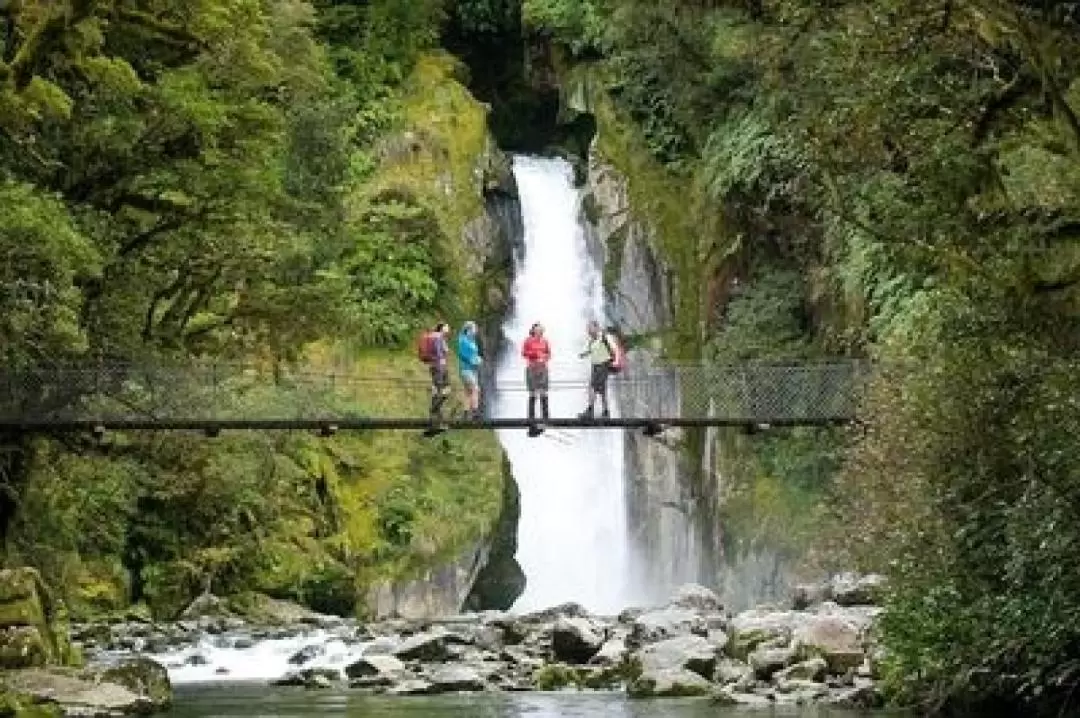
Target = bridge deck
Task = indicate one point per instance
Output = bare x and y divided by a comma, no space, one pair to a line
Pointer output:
334,424
215,397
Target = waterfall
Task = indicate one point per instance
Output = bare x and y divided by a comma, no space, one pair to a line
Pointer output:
572,536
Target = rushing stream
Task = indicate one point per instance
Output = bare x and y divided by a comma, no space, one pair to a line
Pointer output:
572,537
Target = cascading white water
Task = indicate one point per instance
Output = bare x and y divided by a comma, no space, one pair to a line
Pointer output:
572,535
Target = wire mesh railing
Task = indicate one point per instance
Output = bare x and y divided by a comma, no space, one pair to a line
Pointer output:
751,393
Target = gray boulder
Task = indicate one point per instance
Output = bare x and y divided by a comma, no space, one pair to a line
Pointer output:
694,597
454,679
834,639
692,653
668,683
849,589
375,665
657,625
430,647
575,640
768,659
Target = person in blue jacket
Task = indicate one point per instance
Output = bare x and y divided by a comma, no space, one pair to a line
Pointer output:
469,361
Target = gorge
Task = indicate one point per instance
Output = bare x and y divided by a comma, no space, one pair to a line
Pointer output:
299,187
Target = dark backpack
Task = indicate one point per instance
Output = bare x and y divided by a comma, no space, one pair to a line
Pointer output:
618,354
425,347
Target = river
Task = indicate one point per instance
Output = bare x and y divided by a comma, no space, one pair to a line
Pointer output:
260,701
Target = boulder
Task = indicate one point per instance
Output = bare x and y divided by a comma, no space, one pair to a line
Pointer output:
375,665
612,653
33,624
657,625
575,640
141,676
307,654
861,697
207,605
729,670
694,597
128,687
429,647
692,653
813,669
668,683
803,689
548,615
264,610
449,679
383,645
728,696
849,589
753,628
411,687
768,659
310,678
806,595
833,639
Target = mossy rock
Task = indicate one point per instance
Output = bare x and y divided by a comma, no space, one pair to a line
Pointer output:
143,677
24,647
554,676
33,623
17,705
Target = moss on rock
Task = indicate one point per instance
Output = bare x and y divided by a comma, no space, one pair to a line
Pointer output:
33,624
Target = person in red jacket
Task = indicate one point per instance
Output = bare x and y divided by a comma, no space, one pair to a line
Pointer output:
537,353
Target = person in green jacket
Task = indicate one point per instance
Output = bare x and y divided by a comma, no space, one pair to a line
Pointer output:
601,356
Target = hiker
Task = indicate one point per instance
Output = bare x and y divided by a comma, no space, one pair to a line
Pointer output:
537,353
469,361
602,356
434,351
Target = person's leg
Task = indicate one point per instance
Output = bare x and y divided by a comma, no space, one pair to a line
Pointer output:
604,392
530,386
471,384
543,390
440,390
594,389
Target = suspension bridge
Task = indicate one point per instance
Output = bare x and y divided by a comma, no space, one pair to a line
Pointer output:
215,397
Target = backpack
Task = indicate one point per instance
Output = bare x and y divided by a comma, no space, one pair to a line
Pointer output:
425,347
618,354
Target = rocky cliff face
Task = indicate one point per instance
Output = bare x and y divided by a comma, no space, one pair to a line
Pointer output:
672,525
485,575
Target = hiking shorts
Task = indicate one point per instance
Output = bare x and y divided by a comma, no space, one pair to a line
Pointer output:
470,378
536,378
440,378
598,378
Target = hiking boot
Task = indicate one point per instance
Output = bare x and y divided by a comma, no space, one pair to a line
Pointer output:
605,414
586,415
535,431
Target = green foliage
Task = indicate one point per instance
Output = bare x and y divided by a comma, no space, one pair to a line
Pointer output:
486,17
895,180
578,23
236,180
766,320
394,269
45,258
